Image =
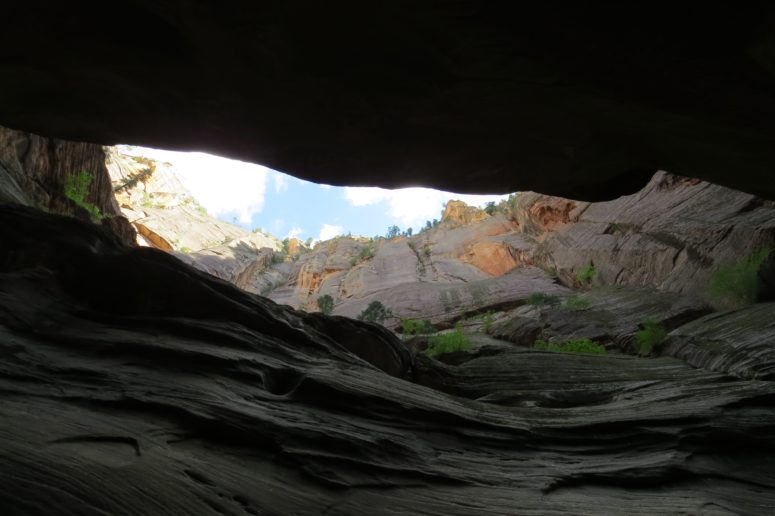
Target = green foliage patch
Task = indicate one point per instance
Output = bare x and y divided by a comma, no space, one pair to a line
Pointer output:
488,320
735,286
586,274
416,327
577,303
77,189
651,334
571,346
540,299
448,342
375,312
326,304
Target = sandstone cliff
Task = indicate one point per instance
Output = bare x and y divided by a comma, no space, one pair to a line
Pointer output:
166,216
671,236
34,171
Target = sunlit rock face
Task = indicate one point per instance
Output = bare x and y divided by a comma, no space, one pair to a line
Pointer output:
672,235
585,102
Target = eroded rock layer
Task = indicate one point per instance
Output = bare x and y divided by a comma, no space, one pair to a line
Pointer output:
186,395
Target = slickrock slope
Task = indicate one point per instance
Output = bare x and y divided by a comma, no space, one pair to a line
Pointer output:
166,216
670,236
186,395
440,274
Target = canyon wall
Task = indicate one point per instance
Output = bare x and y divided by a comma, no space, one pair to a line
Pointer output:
34,171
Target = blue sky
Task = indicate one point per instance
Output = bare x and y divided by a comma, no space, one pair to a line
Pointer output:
254,196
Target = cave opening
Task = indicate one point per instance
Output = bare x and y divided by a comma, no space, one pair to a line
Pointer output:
602,342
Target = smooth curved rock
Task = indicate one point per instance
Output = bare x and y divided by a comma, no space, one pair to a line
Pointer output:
739,342
189,396
608,315
671,235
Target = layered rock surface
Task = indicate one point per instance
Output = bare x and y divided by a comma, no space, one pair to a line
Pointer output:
671,236
186,395
151,194
34,171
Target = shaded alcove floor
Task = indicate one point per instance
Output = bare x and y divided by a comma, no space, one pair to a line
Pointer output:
132,383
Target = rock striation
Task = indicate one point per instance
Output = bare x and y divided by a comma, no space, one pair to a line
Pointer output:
34,171
186,395
671,236
166,216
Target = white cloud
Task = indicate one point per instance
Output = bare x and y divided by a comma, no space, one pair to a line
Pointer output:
295,232
221,185
365,195
412,206
325,186
280,182
329,231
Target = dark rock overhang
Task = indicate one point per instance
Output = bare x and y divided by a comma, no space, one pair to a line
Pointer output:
584,102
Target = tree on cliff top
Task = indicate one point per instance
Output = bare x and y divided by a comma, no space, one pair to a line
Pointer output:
375,312
326,304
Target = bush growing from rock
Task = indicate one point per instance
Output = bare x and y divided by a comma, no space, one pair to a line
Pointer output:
571,346
577,303
375,312
734,286
448,342
326,304
488,320
651,334
416,327
77,189
585,275
540,299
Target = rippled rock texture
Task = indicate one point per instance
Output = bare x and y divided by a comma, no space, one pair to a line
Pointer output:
186,395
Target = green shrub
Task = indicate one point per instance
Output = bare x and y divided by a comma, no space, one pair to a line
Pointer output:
540,299
488,320
366,253
416,327
577,303
448,342
77,189
651,334
571,346
734,286
375,312
185,249
426,250
326,304
586,274
278,257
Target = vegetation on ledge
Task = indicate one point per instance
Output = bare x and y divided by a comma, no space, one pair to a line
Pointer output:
571,346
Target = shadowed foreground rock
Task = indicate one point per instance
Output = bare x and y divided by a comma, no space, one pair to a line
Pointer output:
186,395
